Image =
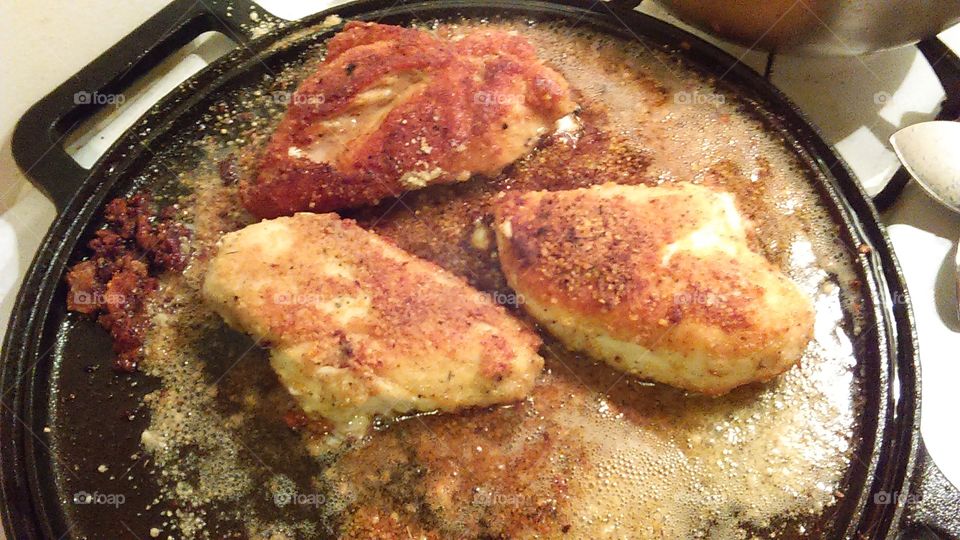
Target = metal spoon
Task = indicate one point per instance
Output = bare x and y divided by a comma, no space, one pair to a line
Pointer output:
930,151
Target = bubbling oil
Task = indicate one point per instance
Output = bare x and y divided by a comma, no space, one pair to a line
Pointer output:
592,453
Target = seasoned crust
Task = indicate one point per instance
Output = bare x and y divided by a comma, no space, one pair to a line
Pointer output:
658,281
393,109
358,327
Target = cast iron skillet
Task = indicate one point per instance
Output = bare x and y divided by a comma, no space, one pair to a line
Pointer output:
892,487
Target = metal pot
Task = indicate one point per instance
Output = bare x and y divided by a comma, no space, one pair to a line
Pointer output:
818,27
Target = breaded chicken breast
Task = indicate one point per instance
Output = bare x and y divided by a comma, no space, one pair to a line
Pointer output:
659,282
357,327
395,109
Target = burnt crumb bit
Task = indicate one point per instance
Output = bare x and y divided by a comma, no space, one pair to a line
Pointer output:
138,242
350,68
229,170
346,348
295,419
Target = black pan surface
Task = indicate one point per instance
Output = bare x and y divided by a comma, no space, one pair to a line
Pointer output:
65,413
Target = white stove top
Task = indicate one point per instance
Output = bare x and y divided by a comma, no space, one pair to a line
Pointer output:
857,103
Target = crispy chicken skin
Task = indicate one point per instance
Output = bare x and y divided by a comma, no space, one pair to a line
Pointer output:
357,327
394,109
659,282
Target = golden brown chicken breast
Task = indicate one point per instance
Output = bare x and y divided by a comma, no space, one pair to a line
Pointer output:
659,282
395,109
357,327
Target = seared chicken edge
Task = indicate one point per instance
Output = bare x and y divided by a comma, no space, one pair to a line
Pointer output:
395,109
358,328
659,282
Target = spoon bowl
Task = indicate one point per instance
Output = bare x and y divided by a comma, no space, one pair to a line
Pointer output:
930,151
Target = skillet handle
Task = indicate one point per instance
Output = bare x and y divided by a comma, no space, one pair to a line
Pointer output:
37,141
932,510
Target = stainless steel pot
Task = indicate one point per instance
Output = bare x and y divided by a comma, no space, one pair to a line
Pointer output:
818,27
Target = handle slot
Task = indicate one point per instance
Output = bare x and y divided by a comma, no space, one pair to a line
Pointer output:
38,140
86,142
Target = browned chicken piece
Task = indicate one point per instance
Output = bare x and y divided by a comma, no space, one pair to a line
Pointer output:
394,109
358,327
659,282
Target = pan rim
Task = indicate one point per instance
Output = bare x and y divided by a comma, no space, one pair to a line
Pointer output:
896,431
